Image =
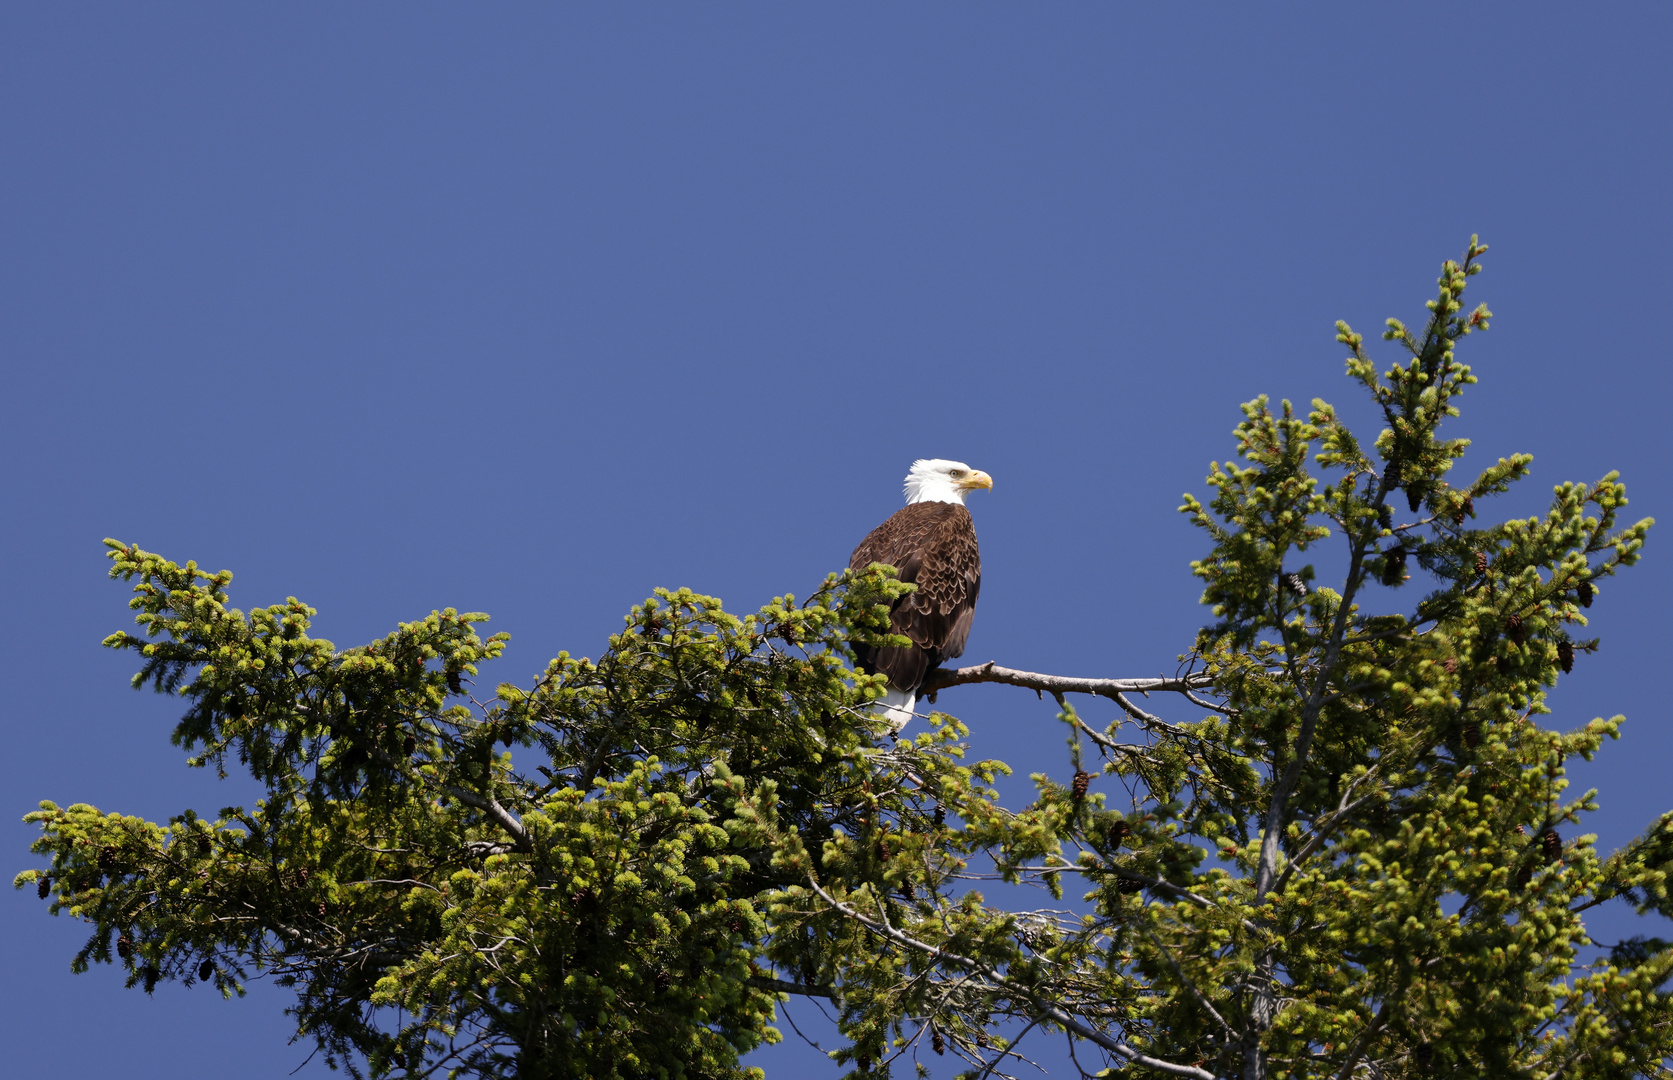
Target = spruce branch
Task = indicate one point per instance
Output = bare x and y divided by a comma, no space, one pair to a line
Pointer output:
1045,1008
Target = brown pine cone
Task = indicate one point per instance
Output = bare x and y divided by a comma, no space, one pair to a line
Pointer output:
1082,780
1551,845
1394,566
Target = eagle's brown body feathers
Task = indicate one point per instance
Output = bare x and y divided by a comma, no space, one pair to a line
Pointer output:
932,545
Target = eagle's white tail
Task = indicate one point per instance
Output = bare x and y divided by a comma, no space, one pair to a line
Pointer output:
896,707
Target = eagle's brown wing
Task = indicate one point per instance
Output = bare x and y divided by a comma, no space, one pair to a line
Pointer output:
933,545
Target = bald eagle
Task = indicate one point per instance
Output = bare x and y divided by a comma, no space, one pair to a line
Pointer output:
931,542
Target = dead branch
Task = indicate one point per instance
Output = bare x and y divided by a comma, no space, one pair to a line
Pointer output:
1113,689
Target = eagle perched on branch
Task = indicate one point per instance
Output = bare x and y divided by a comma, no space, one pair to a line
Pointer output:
931,542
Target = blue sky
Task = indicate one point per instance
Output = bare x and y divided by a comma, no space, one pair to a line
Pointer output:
531,310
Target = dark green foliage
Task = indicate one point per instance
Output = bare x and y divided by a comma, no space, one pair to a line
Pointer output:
1637,950
426,897
1398,751
1352,862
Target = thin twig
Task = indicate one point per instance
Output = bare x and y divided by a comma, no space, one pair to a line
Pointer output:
1050,1011
781,986
1191,986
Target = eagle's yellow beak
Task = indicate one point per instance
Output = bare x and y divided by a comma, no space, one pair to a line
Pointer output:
976,479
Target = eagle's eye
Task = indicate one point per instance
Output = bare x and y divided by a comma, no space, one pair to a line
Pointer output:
956,474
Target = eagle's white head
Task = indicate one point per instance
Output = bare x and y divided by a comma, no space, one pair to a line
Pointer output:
939,480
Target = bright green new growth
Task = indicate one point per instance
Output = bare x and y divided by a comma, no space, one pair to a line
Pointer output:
1361,861
590,916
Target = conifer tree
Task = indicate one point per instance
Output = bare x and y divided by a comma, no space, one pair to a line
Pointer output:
1350,853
